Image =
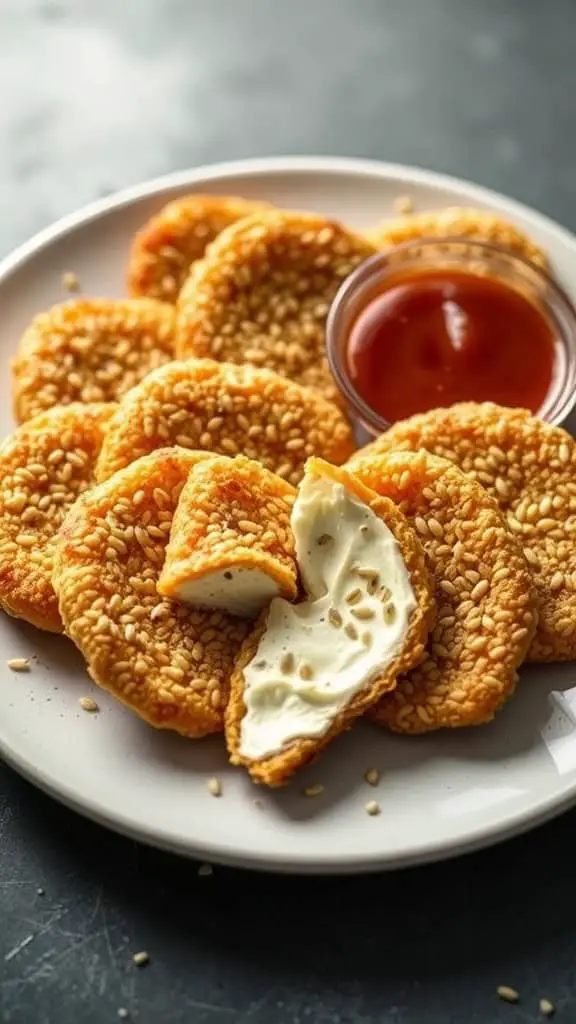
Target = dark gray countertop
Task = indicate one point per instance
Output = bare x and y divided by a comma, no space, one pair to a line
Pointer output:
99,94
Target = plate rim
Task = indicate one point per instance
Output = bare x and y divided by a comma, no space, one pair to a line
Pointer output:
331,165
482,835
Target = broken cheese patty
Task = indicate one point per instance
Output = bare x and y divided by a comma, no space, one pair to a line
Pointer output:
308,670
231,545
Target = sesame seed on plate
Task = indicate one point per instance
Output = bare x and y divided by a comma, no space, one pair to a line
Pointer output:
88,704
70,281
315,789
372,808
214,786
19,664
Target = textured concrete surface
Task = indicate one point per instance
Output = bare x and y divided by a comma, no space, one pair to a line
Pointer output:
99,94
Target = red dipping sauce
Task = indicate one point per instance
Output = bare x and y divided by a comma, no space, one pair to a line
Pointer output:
433,337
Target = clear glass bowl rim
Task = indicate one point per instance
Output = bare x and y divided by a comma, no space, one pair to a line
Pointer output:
560,400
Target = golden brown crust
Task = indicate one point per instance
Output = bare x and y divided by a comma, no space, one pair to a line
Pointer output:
484,591
274,770
232,514
228,410
89,350
168,663
44,466
165,248
529,467
457,222
262,293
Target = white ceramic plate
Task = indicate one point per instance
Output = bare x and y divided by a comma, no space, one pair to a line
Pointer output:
440,795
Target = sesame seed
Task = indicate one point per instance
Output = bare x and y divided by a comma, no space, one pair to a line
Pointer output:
557,581
435,527
372,776
315,789
334,617
421,526
324,538
547,1009
372,808
366,573
88,704
19,664
305,671
480,590
447,587
122,1013
205,869
41,892
353,596
351,631
507,994
403,204
247,526
141,959
287,663
362,613
214,787
70,281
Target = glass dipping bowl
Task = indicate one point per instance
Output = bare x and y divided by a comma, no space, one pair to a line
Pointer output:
481,258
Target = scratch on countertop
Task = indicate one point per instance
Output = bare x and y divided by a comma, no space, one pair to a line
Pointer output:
198,1004
19,947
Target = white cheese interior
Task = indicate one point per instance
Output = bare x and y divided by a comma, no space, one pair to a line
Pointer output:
242,592
315,656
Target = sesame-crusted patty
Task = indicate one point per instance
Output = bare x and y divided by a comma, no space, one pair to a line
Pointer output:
228,410
44,466
275,768
457,222
262,293
484,591
170,664
89,350
530,469
164,249
233,515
